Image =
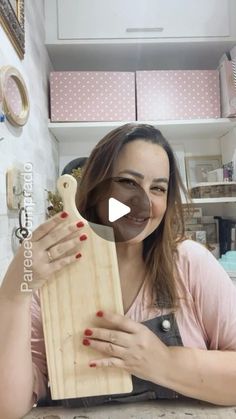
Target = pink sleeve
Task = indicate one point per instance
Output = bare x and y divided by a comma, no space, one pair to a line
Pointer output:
38,349
214,296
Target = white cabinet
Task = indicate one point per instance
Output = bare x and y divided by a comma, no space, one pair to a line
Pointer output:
138,34
103,19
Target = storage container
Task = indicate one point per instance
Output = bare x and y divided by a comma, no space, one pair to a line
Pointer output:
92,96
177,94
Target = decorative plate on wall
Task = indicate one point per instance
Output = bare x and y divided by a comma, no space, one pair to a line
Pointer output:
15,95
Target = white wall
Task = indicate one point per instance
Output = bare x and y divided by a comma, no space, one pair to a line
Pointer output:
32,143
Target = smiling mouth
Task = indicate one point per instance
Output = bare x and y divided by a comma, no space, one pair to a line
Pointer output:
135,219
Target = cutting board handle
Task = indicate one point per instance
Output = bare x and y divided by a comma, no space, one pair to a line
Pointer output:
67,188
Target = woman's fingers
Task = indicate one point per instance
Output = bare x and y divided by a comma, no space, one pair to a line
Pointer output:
62,249
108,362
61,233
52,246
116,336
55,244
49,225
113,336
58,264
44,265
117,321
107,348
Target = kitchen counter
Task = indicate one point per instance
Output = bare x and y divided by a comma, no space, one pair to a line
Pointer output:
143,410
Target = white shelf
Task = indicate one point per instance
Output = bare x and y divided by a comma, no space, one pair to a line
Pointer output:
137,54
213,200
196,185
200,129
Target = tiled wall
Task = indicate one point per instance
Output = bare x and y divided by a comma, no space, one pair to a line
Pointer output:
32,143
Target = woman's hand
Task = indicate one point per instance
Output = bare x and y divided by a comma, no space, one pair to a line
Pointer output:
128,345
53,245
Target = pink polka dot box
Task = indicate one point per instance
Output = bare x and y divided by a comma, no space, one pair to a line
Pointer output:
92,96
178,94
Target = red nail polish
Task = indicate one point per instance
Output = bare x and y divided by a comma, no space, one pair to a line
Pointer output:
78,255
64,214
80,224
99,313
92,364
83,237
88,332
86,342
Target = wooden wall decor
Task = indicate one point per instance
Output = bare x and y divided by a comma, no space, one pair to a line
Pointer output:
16,104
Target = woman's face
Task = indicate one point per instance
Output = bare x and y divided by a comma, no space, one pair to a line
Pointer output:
141,173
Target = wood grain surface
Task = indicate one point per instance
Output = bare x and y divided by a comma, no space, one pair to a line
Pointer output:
70,300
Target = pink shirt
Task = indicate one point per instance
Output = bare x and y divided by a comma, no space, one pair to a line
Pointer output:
206,317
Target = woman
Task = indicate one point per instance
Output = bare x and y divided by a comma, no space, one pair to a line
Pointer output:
178,334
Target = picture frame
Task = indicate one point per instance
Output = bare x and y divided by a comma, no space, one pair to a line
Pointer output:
211,232
197,168
12,20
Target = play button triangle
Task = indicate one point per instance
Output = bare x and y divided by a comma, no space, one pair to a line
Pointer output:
116,209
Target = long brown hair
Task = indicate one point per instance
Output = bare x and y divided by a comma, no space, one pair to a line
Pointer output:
160,247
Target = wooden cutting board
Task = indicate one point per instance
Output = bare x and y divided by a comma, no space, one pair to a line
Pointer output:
69,301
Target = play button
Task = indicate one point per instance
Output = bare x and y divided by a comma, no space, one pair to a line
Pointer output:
116,210
120,203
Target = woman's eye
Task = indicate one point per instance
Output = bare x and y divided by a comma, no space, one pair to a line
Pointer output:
159,189
127,181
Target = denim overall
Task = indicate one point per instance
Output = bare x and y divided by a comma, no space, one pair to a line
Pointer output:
166,328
